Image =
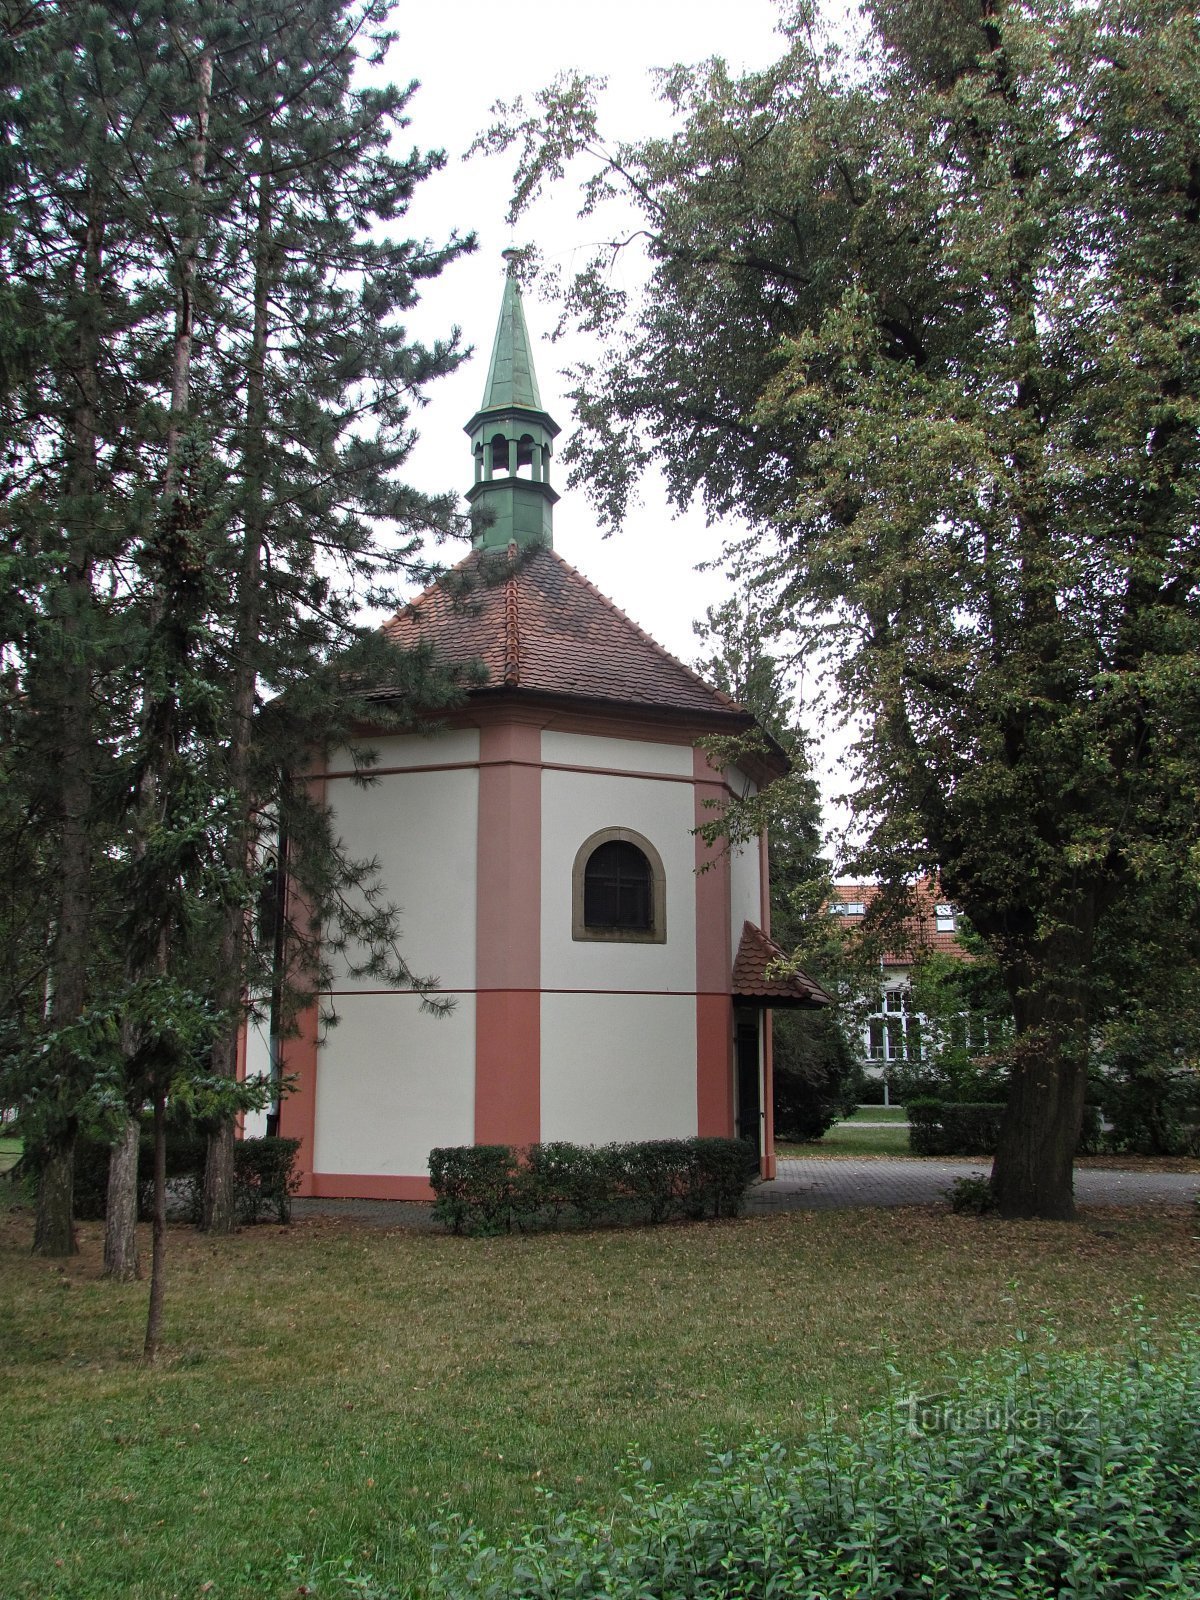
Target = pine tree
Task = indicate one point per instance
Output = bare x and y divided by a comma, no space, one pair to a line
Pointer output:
203,486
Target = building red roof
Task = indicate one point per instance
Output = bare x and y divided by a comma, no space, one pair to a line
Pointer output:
919,933
539,626
756,953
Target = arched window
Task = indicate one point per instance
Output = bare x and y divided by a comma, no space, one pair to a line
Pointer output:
619,889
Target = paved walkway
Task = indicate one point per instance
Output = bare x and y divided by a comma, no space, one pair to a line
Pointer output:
838,1184
830,1185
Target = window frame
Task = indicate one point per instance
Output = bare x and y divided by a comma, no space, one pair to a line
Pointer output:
656,933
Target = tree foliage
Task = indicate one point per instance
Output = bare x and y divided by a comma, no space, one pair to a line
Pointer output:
815,1068
926,313
203,435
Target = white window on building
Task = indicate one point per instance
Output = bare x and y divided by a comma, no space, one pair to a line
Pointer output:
945,919
847,908
895,1034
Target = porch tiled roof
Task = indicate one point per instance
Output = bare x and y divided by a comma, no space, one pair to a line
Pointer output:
538,625
751,980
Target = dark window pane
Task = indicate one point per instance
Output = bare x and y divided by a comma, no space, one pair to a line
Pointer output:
617,887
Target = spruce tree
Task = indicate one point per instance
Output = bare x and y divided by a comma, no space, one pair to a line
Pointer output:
203,487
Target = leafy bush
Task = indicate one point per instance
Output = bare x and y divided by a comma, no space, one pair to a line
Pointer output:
263,1176
1067,1475
494,1189
474,1184
1154,1111
946,1128
816,1075
971,1197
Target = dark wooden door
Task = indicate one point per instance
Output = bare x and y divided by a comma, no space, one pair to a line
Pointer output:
749,1100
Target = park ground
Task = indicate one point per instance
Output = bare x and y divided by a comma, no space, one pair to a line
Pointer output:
328,1389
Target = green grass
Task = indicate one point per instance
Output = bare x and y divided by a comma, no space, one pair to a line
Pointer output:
10,1153
327,1389
849,1139
879,1114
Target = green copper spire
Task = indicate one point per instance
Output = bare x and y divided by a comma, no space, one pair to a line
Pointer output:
511,437
511,380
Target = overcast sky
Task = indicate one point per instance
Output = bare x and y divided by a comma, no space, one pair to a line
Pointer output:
466,56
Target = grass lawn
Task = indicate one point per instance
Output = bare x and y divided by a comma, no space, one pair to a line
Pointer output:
879,1114
10,1151
850,1139
328,1388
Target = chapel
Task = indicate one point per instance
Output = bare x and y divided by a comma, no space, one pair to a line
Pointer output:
610,974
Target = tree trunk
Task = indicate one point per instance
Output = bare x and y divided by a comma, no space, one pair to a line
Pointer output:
1033,1171
68,683
158,1249
120,1214
53,1230
219,1212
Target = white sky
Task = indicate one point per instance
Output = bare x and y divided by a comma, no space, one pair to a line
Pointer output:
466,56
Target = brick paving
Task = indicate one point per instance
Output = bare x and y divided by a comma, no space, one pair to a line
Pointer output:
837,1185
831,1185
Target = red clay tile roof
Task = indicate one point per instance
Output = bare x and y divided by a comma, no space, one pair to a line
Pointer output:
538,625
756,953
920,932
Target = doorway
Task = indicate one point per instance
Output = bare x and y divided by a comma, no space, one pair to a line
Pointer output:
748,1066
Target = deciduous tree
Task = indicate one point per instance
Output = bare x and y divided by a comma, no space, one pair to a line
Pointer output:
926,313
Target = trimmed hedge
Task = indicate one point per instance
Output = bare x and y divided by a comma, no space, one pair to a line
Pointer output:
958,1128
949,1128
1068,1475
494,1188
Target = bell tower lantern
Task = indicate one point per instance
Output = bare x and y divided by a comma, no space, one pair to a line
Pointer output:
511,437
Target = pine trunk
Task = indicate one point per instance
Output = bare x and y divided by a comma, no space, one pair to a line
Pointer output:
120,1214
219,1211
158,1249
53,1229
219,1214
68,685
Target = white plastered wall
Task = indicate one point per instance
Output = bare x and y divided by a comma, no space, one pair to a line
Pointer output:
422,828
618,1062
574,806
454,746
616,755
392,1080
745,873
393,1083
618,1067
258,1065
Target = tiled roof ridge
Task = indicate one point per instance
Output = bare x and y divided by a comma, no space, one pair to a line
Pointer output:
717,694
512,625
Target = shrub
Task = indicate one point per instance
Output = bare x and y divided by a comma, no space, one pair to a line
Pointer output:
1067,1475
816,1075
946,1128
1153,1112
724,1169
655,1177
493,1189
265,1177
474,1184
951,1128
971,1197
